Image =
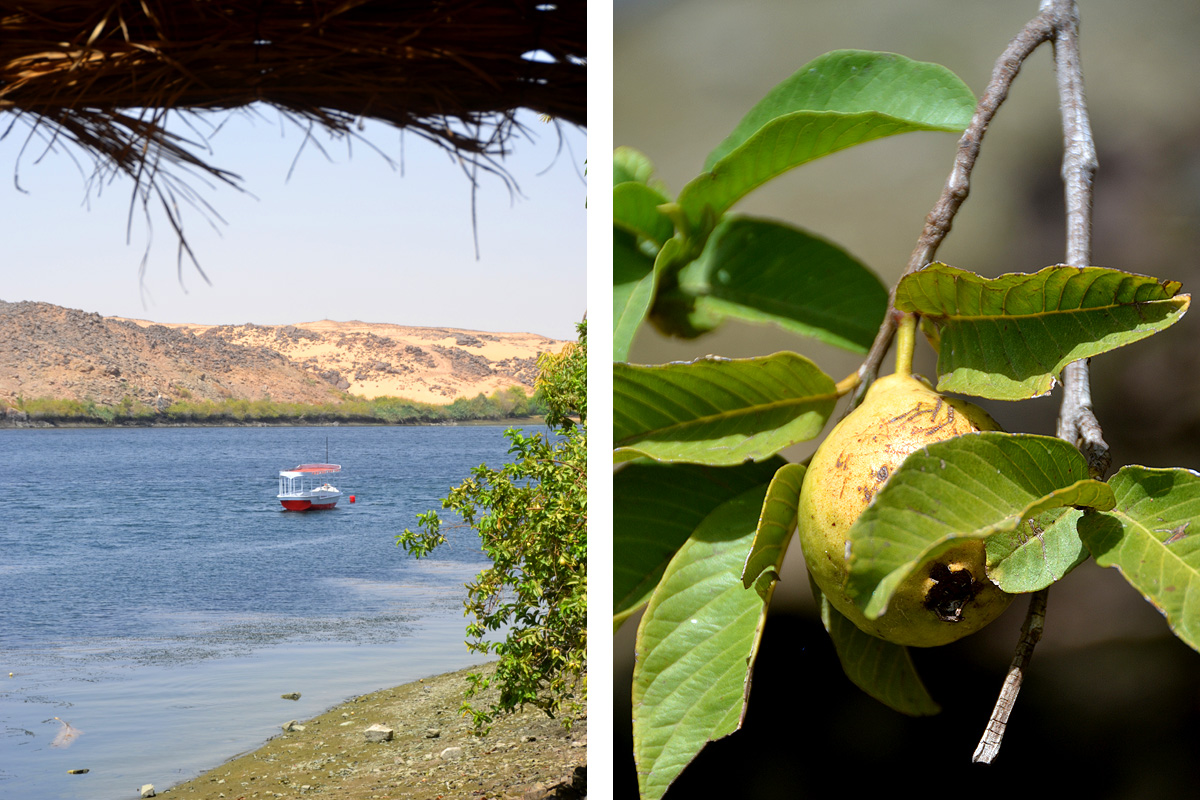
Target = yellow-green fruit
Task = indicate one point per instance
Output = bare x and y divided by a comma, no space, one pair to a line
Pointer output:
943,600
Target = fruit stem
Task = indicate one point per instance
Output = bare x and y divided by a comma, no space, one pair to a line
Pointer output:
848,384
906,342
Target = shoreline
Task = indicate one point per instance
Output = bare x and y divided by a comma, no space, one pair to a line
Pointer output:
433,752
6,424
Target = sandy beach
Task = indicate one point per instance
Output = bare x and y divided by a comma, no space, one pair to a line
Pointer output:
433,753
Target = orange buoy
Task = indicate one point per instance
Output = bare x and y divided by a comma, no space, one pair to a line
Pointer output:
351,498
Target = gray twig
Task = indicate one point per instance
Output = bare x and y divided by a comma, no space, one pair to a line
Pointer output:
958,184
1031,632
1076,422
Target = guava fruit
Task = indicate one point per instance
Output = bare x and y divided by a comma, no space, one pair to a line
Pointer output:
939,602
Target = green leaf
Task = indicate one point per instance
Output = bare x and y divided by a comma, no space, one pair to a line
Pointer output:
633,291
635,209
1037,552
696,645
840,99
641,233
856,81
631,165
967,487
762,271
1008,338
883,670
718,411
933,334
775,525
656,507
1149,538
671,311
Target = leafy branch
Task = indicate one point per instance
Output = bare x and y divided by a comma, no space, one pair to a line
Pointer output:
1057,22
702,497
531,517
1076,422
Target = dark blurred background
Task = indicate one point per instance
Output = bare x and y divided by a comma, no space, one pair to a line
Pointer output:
1111,706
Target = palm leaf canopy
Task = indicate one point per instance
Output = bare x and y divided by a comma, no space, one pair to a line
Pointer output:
106,74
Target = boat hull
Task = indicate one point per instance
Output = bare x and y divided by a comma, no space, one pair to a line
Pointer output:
309,503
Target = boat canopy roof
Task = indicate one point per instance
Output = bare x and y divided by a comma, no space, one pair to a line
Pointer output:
313,469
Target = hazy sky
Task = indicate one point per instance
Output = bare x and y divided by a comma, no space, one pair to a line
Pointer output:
345,238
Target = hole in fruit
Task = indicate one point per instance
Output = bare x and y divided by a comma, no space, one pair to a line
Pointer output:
951,590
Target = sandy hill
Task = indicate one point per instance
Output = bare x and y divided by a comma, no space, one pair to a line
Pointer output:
49,351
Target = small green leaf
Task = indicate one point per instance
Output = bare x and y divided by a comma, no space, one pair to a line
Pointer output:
631,165
635,209
932,334
1037,552
967,487
633,291
656,507
883,670
840,99
775,525
718,411
1149,538
763,271
1008,338
673,312
696,645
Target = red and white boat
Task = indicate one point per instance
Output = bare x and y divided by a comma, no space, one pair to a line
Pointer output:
303,488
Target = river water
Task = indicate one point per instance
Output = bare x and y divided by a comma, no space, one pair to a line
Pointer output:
154,595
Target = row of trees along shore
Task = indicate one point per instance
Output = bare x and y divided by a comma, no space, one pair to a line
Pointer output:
507,404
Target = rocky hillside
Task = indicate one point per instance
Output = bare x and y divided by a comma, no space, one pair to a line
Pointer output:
50,351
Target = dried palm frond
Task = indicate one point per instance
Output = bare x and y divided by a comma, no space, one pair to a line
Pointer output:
417,64
104,75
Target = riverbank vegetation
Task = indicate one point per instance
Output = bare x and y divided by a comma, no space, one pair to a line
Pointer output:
509,404
531,516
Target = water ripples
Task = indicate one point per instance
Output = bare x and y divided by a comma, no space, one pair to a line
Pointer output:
158,576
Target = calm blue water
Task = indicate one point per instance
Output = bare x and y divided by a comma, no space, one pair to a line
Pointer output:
154,595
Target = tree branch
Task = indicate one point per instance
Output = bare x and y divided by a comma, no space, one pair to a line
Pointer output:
1031,632
958,184
1076,421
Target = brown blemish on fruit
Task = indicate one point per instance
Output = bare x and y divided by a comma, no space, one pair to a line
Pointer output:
933,410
